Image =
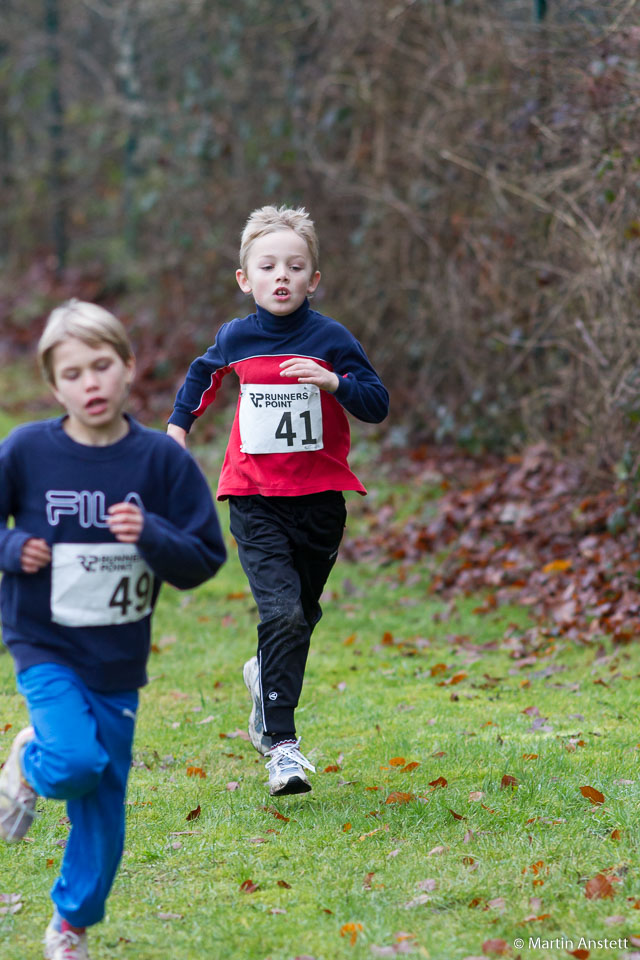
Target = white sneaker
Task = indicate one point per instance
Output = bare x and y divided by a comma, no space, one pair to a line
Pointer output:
286,774
258,737
65,944
17,797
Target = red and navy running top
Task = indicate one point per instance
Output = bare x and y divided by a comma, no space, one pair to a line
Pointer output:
287,439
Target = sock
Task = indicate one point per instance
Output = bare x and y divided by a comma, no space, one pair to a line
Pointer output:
287,737
62,926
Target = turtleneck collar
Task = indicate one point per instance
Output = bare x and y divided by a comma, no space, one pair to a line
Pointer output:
273,322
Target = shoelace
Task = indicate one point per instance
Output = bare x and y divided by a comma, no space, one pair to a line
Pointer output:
290,752
68,941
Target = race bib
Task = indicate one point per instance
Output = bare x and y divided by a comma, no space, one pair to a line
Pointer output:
278,418
99,584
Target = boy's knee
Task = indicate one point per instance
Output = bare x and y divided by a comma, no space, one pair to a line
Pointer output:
75,773
287,618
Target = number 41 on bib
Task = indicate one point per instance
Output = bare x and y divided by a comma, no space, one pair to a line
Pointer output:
278,418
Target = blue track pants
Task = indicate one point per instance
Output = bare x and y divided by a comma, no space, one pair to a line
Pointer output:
81,753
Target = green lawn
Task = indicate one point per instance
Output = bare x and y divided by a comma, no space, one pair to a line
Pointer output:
402,693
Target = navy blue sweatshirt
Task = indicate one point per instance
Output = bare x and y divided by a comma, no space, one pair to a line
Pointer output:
90,609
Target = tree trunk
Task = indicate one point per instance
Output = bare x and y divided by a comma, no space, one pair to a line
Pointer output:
57,152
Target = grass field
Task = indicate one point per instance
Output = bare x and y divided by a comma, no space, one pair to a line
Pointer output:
446,820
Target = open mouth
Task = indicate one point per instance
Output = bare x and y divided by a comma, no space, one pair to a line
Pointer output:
282,292
95,405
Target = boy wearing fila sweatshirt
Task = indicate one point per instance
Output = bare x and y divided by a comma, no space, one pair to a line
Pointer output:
104,510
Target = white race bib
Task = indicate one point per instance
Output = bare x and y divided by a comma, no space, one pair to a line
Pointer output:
99,584
278,418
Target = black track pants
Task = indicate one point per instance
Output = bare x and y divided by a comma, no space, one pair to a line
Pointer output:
287,548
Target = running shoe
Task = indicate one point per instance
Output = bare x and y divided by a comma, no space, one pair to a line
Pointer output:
17,797
286,769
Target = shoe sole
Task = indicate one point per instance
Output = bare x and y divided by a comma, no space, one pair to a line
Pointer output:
23,818
258,741
292,786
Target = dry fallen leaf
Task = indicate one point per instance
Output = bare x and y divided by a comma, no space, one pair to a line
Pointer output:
436,852
557,566
418,901
438,668
598,888
364,836
242,734
394,950
592,794
496,947
351,930
397,796
276,813
196,772
11,908
194,814
498,903
440,782
428,884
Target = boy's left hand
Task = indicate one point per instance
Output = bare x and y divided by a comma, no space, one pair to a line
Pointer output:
306,370
125,521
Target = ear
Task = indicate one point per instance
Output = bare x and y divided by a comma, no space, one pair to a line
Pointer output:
131,370
313,282
57,395
243,281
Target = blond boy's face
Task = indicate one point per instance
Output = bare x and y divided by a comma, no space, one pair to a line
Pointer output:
279,272
92,384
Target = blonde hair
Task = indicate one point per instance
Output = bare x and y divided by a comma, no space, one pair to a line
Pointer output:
85,321
269,219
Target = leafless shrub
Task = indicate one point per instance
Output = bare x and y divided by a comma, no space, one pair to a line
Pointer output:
474,176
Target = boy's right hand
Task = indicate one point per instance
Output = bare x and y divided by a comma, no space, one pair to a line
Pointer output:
36,554
178,434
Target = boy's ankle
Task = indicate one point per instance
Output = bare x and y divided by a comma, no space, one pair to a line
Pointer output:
64,926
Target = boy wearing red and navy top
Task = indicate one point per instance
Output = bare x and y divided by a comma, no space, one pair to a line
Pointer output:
285,467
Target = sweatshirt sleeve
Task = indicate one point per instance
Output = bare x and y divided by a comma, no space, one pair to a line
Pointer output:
201,384
360,390
186,547
11,541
